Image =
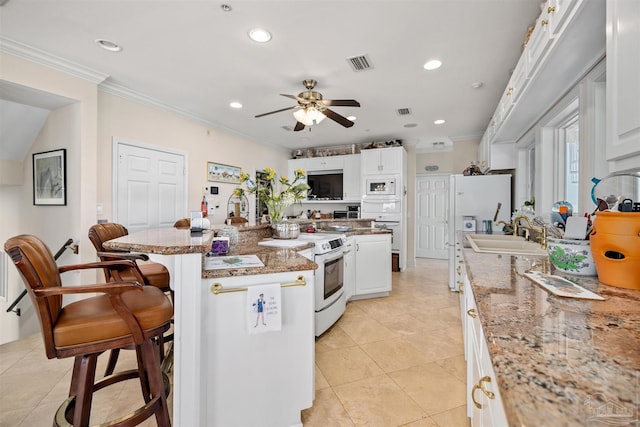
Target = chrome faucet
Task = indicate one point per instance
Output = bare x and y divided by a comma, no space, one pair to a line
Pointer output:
541,230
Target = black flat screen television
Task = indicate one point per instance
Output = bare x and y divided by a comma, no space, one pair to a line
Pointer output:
326,186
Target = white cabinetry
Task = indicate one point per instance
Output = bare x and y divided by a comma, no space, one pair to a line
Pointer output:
567,41
623,81
349,278
325,163
348,164
235,374
382,161
557,11
373,264
351,187
537,46
484,404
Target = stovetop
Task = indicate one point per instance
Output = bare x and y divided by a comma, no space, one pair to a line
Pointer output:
324,242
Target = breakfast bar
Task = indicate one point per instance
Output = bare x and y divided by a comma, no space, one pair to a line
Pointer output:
225,373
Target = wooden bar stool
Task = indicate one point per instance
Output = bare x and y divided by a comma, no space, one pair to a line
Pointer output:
126,313
153,274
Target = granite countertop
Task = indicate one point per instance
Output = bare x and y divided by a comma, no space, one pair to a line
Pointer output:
557,361
164,241
174,241
275,260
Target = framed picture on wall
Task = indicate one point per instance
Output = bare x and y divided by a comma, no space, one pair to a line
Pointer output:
50,178
223,173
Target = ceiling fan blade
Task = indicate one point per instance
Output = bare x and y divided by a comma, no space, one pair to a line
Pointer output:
299,127
301,101
277,111
341,102
337,118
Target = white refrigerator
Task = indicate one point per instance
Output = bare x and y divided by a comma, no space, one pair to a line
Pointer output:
475,196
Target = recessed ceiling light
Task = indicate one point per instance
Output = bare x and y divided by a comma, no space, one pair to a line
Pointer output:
225,7
108,45
352,118
477,85
235,105
439,122
259,35
411,125
432,65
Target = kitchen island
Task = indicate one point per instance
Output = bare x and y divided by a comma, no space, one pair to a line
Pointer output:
557,361
224,374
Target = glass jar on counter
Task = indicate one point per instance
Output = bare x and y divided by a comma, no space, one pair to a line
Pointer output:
231,232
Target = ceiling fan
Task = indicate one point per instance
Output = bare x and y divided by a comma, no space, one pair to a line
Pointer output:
312,109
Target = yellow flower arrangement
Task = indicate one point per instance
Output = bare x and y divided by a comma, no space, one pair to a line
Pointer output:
278,193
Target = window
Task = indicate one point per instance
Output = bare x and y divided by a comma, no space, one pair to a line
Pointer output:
569,137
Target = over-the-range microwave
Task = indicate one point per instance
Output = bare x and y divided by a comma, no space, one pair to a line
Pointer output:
381,186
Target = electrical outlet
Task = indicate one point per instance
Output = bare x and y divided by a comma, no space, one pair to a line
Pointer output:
212,210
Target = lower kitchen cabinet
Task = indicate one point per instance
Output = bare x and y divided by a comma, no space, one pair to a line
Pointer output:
484,404
349,278
373,265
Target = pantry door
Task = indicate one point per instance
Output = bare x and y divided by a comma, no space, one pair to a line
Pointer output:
149,185
432,202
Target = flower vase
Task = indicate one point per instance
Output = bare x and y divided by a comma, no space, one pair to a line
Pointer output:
284,229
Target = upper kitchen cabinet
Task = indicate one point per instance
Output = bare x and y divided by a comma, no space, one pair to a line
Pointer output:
314,164
567,41
351,178
379,161
496,156
623,79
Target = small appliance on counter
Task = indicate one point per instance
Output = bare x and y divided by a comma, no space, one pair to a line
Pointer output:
353,212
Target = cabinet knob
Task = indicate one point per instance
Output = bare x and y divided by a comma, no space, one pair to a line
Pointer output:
544,22
459,270
551,9
472,313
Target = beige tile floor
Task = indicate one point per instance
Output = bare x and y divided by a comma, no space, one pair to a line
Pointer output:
395,361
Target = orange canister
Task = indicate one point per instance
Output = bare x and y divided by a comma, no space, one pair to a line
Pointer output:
615,246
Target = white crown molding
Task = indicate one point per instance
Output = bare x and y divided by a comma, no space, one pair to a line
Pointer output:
38,56
124,92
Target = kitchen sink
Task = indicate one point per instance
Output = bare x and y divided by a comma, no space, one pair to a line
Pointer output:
504,244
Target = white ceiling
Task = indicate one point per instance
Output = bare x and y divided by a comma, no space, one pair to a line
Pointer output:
193,57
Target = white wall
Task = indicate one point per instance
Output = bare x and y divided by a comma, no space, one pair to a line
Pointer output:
72,127
454,161
122,118
86,128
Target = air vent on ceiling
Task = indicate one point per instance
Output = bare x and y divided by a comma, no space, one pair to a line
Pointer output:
360,63
404,112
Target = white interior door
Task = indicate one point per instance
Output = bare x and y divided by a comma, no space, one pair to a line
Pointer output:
432,202
149,186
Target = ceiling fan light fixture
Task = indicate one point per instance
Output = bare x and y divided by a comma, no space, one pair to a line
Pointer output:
352,118
235,104
259,35
439,122
309,116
